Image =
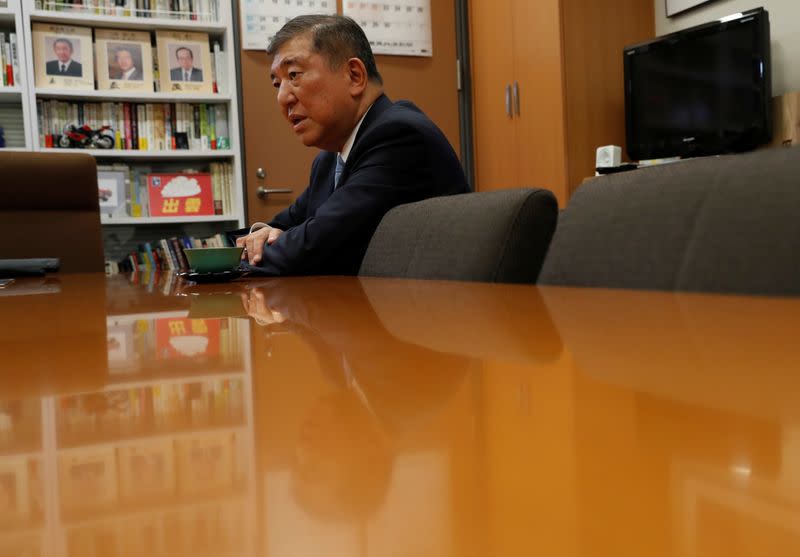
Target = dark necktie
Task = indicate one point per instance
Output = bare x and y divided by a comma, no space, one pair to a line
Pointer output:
338,172
63,68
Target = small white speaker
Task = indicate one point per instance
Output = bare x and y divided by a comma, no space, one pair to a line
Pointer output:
608,156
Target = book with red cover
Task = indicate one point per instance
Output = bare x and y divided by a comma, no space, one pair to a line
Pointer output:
185,195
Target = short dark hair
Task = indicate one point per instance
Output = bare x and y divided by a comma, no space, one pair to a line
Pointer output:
336,37
187,49
65,41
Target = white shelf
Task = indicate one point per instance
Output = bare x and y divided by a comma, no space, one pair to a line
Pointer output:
145,155
165,220
72,94
122,22
10,94
7,15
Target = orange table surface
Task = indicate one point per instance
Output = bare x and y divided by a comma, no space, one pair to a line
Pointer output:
345,416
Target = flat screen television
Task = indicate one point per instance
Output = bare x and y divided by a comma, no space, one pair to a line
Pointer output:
701,91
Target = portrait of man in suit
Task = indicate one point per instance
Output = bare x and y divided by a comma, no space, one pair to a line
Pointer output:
186,70
126,63
64,64
376,153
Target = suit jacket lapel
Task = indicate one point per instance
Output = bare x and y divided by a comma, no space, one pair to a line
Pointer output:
381,105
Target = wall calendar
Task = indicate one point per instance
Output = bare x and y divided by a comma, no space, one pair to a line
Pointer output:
394,26
401,27
261,19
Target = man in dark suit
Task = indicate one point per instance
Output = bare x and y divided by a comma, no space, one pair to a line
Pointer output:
376,154
64,64
127,69
186,70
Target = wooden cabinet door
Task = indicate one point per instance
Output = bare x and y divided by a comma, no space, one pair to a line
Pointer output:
492,52
537,29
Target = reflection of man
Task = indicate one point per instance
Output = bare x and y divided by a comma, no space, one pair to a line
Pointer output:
127,69
64,64
384,390
186,70
377,154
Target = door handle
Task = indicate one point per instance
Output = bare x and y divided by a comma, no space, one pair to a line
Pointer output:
263,192
508,102
516,97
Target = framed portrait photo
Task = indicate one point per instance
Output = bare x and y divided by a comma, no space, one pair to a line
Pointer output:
63,56
184,62
124,60
675,7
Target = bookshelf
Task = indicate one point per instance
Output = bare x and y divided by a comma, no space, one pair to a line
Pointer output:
37,105
14,109
99,463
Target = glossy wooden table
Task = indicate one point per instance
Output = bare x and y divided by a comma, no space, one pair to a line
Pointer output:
369,417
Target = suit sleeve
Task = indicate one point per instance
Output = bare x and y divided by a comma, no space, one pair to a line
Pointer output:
388,173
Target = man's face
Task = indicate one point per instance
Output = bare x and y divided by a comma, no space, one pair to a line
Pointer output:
63,51
124,60
316,100
185,59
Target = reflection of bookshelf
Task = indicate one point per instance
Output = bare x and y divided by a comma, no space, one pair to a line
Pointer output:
141,466
108,416
218,23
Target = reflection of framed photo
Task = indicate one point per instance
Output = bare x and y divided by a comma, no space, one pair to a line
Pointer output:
677,6
14,490
147,470
184,62
205,462
63,56
87,479
124,60
119,344
111,191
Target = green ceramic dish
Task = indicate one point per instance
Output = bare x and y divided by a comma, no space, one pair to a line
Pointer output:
213,260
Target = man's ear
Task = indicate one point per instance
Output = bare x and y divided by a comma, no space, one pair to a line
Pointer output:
357,74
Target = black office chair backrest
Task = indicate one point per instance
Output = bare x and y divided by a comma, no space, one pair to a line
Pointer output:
499,236
726,224
49,207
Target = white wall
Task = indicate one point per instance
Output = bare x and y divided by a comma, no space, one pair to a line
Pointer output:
784,19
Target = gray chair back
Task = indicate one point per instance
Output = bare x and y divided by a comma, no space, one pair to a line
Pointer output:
727,224
498,236
49,207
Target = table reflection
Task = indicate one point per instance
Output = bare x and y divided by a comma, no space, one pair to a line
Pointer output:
347,416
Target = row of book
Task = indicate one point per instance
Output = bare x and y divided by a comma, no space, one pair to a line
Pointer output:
158,408
163,255
200,10
137,126
9,60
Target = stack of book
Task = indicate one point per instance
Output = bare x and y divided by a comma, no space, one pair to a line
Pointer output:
165,254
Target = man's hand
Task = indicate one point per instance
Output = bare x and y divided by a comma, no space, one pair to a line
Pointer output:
254,243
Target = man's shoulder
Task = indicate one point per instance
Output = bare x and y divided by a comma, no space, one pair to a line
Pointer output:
76,64
52,64
404,117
